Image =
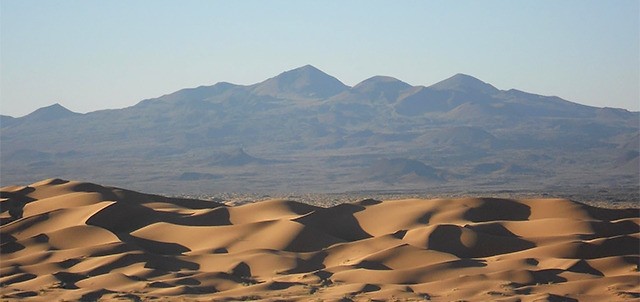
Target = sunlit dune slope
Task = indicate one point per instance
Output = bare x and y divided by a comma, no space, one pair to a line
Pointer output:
69,240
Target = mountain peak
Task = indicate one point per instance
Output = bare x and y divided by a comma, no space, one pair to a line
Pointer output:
55,106
382,80
307,68
381,86
50,113
464,82
306,81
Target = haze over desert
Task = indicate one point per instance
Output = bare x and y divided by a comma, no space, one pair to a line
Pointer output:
69,240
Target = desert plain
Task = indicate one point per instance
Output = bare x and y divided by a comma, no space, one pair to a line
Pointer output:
77,241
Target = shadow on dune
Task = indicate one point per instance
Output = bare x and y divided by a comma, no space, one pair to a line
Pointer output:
127,216
241,270
21,277
219,215
314,264
608,229
15,204
616,246
241,273
56,181
116,194
370,288
493,209
310,242
466,263
25,294
548,276
279,285
106,193
608,214
162,263
337,221
8,244
188,281
155,247
68,280
300,208
120,217
473,242
372,265
583,267
95,295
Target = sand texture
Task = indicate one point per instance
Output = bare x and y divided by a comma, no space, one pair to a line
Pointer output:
69,240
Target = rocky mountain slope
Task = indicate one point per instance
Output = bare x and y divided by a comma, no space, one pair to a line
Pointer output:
304,130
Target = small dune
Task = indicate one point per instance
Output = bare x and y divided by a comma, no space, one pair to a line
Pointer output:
68,240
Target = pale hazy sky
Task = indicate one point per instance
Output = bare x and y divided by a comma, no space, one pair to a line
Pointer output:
90,55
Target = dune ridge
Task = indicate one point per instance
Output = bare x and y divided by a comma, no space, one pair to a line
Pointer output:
71,240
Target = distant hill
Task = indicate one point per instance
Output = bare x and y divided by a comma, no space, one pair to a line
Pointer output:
237,157
303,82
6,120
50,113
402,169
381,87
192,176
45,114
464,83
307,131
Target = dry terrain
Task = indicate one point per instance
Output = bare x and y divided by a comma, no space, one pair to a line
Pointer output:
305,131
69,240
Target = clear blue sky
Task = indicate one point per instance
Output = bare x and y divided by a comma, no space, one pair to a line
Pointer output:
90,55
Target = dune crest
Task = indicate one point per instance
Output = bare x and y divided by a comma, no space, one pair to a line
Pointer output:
70,240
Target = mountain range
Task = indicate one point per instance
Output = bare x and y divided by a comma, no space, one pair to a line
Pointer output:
305,131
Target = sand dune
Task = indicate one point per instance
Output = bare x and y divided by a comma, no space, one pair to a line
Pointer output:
69,240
